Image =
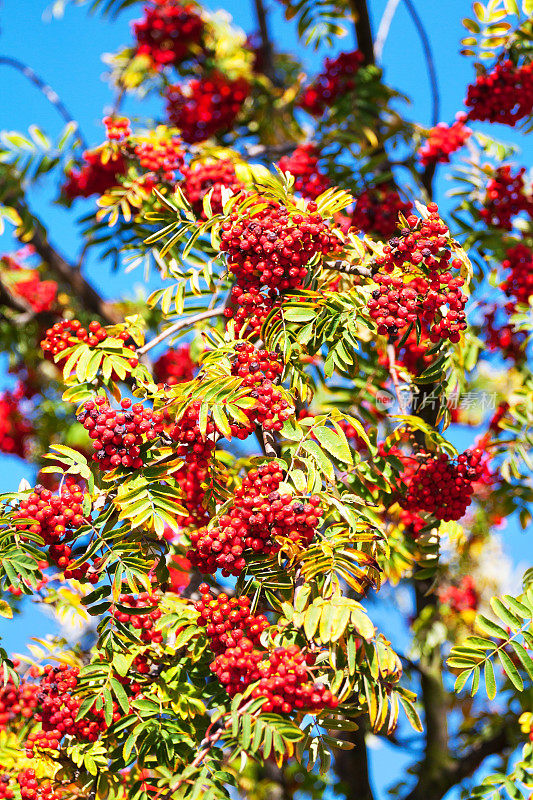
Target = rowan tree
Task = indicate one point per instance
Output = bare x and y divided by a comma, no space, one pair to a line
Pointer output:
238,472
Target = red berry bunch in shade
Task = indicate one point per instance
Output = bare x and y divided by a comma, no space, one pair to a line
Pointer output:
377,209
17,702
414,281
6,792
443,140
174,366
96,176
162,155
412,523
56,518
337,79
57,711
258,370
519,284
118,435
269,247
259,521
190,478
463,597
206,106
252,307
32,789
443,487
505,94
117,128
285,682
70,332
202,176
303,164
505,198
169,33
143,623
16,429
255,366
228,620
194,446
502,337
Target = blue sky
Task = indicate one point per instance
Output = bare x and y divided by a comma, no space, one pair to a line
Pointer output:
67,54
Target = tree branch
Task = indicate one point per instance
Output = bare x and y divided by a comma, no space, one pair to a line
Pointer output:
384,27
352,766
267,50
430,63
179,325
363,30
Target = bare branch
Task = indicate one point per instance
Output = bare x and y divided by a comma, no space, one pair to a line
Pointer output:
267,51
384,27
179,325
363,30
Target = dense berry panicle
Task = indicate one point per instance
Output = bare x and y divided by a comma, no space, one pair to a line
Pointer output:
161,155
337,79
505,94
194,446
252,307
69,332
463,597
144,623
206,106
410,294
169,33
303,164
258,370
443,487
117,128
174,366
6,791
119,434
32,788
268,247
501,336
505,198
190,478
376,211
202,176
96,176
17,702
443,140
261,520
519,283
16,428
57,711
228,620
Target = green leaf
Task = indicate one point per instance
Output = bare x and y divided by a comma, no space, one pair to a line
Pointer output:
333,443
490,680
510,670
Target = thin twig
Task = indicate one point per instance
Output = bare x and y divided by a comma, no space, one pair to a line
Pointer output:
178,326
430,62
384,27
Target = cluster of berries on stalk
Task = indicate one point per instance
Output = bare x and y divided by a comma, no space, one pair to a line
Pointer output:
303,164
58,709
206,106
143,622
260,521
376,210
118,435
505,198
98,174
415,282
56,519
282,675
202,177
501,336
337,79
16,429
26,283
194,445
259,369
17,702
505,94
443,140
69,332
519,283
174,366
33,789
169,33
117,128
463,597
162,155
442,486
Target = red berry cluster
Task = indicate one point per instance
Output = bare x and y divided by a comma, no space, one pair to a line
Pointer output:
26,283
206,106
502,337
69,332
119,434
260,520
337,79
519,284
162,155
443,487
117,128
96,176
194,446
17,702
268,247
412,523
228,620
169,33
143,623
16,429
505,94
6,793
505,198
190,478
443,140
252,307
303,164
376,211
203,176
174,366
258,369
460,598
399,300
58,708
32,789
56,519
